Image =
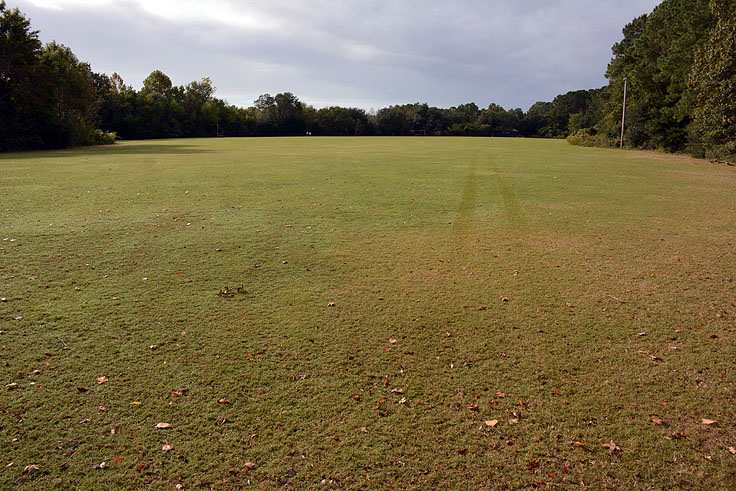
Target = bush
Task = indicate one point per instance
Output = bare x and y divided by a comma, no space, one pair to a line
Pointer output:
588,137
99,137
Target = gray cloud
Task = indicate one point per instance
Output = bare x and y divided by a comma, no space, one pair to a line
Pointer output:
365,53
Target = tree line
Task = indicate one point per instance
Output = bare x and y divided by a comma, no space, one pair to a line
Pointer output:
680,65
679,62
49,99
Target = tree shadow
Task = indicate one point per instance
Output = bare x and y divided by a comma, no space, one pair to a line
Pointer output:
137,147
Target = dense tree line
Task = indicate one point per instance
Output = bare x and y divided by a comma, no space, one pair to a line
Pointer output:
680,63
47,96
49,99
160,110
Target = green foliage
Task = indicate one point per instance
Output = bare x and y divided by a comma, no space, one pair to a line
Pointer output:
48,98
656,55
24,105
587,137
713,81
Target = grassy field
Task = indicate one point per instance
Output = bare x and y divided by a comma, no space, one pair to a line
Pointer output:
415,313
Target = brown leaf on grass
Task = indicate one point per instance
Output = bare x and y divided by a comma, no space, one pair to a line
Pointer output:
492,423
397,391
223,401
678,436
30,468
153,346
657,421
732,450
167,447
500,395
708,421
612,447
11,386
176,393
392,340
513,422
402,400
473,407
330,304
503,299
82,389
250,465
102,409
655,357
163,426
102,380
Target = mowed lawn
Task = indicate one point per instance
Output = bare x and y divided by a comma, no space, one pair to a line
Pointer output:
415,313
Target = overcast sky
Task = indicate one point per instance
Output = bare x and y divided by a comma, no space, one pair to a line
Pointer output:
368,53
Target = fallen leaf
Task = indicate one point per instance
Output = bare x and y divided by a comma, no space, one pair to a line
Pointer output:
492,423
163,426
167,447
223,401
11,386
473,407
153,346
500,395
135,403
708,422
101,465
402,400
513,422
657,421
30,468
117,459
732,450
392,341
612,447
397,391
102,409
503,299
250,465
330,304
82,389
102,380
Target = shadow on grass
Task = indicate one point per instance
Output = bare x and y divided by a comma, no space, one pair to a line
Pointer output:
139,147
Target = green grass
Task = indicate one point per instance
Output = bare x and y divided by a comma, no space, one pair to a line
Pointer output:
619,269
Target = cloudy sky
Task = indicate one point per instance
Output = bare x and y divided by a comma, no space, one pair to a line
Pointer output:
366,53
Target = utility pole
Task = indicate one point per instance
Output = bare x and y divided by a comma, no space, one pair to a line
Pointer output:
623,115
